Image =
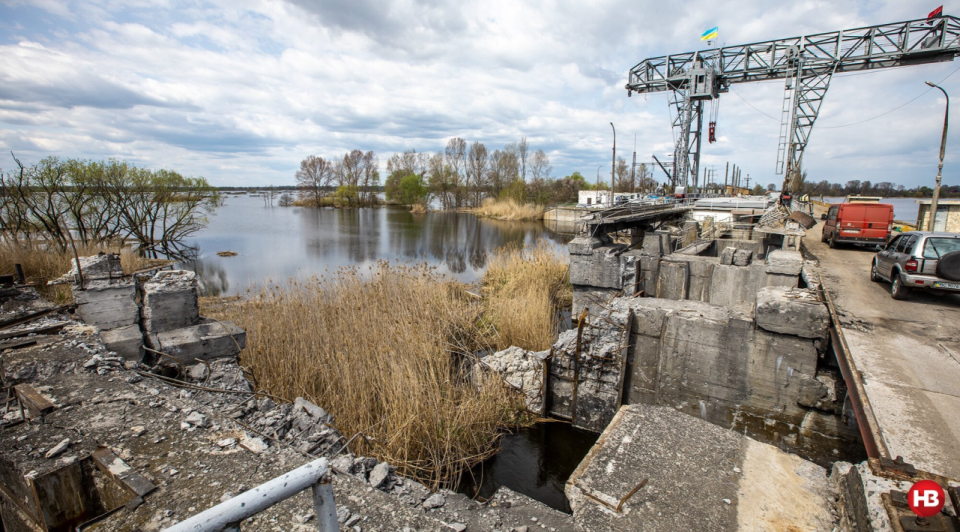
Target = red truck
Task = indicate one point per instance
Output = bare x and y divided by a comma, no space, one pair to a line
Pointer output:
858,223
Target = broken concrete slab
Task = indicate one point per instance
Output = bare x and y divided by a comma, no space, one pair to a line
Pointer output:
728,481
794,311
207,340
742,257
584,245
108,303
726,256
784,262
101,266
125,341
603,268
170,301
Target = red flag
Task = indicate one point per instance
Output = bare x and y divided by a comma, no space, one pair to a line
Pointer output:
936,12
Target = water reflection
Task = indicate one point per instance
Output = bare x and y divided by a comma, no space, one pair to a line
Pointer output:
278,243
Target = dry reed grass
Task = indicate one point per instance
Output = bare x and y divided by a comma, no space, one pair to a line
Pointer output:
384,352
418,208
523,291
508,209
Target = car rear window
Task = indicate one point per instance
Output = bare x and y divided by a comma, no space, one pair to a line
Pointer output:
936,247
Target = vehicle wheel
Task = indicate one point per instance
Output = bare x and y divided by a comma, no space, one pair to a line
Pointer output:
897,290
833,242
874,274
823,236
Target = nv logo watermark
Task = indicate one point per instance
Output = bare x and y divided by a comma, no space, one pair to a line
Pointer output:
926,498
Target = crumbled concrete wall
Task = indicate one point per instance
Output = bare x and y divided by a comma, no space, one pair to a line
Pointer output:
170,301
742,257
101,266
108,304
784,262
597,376
795,311
125,341
523,370
673,279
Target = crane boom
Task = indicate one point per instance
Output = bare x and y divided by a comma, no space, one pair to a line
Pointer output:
806,64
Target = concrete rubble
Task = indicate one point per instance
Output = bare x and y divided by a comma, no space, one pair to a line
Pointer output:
523,370
195,448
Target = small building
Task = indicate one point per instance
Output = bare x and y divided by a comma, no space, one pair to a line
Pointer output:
948,216
602,197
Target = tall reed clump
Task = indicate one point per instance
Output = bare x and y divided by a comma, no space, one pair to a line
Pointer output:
383,352
508,209
524,290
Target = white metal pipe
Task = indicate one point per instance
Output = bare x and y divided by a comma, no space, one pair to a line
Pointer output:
251,502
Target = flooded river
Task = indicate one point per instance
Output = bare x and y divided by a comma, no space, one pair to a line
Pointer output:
276,243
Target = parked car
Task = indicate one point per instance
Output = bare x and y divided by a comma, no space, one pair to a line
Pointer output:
857,223
919,260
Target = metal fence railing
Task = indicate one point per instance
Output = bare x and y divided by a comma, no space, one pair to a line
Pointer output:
228,515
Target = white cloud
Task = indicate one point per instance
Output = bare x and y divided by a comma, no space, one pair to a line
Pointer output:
241,91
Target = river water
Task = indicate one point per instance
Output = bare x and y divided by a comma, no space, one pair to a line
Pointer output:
277,243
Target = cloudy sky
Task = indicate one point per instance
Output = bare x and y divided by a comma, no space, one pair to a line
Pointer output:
240,91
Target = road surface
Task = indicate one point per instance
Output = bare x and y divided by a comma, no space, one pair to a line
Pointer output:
908,353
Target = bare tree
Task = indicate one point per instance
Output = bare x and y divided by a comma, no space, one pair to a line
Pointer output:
313,178
456,154
369,176
623,177
523,152
477,162
503,170
540,167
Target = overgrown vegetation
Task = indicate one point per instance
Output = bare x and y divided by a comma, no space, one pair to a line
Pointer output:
508,209
42,262
389,353
523,291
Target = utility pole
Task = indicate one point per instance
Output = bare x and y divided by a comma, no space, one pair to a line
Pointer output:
943,146
613,164
748,181
726,174
633,167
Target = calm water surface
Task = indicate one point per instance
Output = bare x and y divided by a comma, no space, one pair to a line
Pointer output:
277,243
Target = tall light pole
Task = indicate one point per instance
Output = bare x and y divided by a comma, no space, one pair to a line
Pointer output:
613,164
943,146
598,183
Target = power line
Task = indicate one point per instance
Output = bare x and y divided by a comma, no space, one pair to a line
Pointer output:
751,105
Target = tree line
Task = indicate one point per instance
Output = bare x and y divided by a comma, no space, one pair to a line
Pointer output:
63,202
463,174
884,189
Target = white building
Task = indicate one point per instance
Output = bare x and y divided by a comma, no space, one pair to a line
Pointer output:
602,197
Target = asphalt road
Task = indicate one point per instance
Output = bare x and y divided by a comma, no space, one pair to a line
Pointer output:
908,353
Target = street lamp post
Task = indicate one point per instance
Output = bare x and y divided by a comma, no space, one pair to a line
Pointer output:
598,183
943,146
613,162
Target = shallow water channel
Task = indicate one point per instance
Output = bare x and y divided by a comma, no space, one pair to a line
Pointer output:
535,461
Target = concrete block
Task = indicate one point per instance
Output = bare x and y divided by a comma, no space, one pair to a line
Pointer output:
742,257
673,279
601,269
648,273
584,245
794,311
125,341
726,256
784,262
108,304
170,301
652,245
206,340
588,297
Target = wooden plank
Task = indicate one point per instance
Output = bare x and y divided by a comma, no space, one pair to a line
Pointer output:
31,399
50,329
26,318
17,344
123,474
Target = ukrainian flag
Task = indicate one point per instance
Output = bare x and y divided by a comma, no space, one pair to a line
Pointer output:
710,34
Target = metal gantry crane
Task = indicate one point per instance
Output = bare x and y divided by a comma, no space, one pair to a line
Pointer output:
806,64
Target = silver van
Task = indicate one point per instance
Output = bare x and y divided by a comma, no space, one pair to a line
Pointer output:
919,260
